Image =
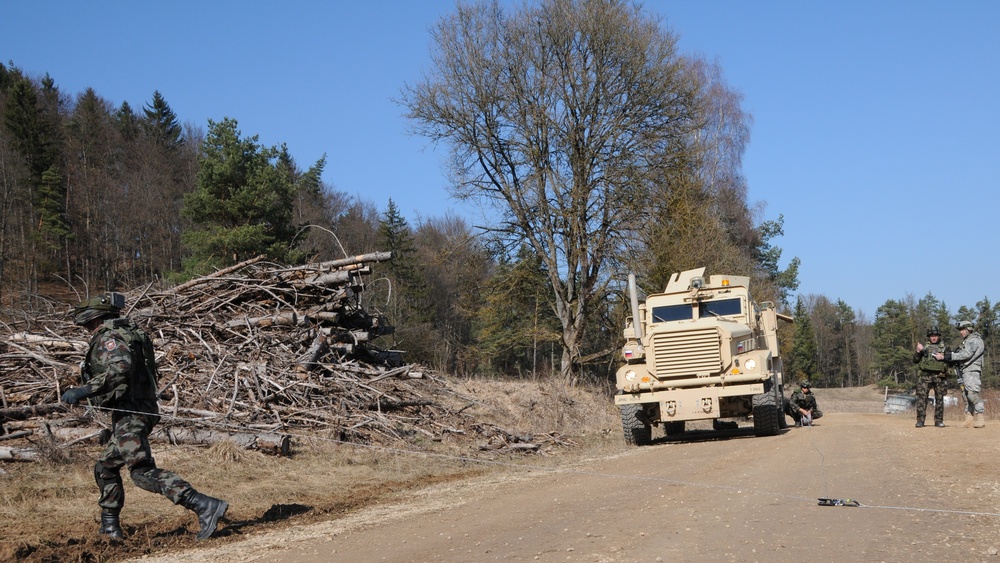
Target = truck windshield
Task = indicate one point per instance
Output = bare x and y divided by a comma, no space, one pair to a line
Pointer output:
720,308
667,313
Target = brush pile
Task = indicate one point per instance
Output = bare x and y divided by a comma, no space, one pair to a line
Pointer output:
252,354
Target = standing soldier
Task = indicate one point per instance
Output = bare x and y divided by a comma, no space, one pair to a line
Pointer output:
932,376
969,361
119,374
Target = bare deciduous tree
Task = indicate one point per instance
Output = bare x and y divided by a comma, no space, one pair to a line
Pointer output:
560,117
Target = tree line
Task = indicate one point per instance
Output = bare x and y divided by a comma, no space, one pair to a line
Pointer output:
833,346
598,147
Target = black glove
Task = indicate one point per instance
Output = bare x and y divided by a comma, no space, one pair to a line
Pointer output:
73,395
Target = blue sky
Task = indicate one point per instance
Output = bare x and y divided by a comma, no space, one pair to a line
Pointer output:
875,122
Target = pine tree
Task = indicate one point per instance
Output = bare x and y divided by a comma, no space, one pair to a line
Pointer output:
242,205
395,236
51,199
411,309
128,122
515,327
893,342
32,118
802,360
161,123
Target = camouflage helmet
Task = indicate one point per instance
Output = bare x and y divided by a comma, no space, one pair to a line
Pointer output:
103,305
805,385
965,325
933,331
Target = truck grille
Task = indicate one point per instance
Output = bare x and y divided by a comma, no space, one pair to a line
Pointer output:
688,353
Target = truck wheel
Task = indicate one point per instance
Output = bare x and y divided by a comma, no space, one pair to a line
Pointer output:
782,421
636,433
766,415
673,428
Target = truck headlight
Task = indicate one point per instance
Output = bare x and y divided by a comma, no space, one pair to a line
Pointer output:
629,375
750,364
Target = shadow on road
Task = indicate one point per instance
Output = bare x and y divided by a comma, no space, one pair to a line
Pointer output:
708,435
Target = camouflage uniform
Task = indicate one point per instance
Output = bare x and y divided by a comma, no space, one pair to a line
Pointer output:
802,400
969,360
119,375
122,379
933,375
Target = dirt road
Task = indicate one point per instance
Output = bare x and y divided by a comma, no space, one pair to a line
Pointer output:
929,494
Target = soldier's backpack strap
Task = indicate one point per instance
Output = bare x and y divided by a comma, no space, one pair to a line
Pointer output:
141,347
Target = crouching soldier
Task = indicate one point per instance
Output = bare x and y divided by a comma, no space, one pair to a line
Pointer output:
802,407
119,375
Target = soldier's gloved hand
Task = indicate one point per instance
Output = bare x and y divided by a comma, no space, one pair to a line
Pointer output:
73,395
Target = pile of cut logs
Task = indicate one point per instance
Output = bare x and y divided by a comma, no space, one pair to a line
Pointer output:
257,354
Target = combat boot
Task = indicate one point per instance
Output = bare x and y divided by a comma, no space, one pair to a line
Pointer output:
968,420
110,526
980,420
208,509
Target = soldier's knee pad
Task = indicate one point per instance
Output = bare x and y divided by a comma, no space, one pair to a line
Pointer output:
146,477
106,476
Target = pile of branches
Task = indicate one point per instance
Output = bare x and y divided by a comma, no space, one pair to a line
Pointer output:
256,352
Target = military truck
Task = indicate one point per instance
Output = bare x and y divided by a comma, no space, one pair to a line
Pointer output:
701,350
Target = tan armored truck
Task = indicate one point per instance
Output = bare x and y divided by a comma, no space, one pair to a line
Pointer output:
701,350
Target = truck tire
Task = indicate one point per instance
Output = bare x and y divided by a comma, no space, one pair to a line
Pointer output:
766,414
636,433
782,421
673,428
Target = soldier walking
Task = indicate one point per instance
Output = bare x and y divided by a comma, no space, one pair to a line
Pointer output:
969,361
119,374
933,374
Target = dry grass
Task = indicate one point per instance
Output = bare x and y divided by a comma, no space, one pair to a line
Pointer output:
48,509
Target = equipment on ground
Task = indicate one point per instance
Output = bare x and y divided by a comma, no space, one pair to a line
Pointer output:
838,502
702,349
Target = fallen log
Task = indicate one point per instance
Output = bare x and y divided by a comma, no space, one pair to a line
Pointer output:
290,318
269,443
15,435
22,413
19,454
308,360
274,444
48,341
216,275
342,262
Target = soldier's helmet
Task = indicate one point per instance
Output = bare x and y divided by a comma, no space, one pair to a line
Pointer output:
101,306
805,385
967,325
934,331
